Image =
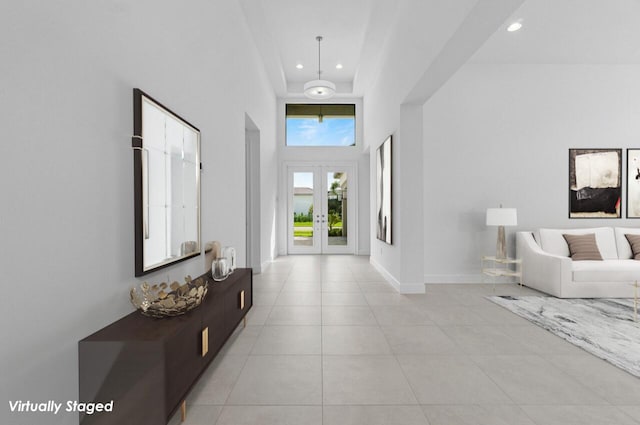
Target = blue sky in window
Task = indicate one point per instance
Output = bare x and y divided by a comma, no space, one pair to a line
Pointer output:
305,179
329,132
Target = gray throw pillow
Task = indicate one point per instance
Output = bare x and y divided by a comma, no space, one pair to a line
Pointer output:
634,241
583,247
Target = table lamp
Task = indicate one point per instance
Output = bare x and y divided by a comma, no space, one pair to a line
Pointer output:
501,217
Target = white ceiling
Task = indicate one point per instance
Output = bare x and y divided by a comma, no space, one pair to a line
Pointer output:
355,31
568,32
285,32
295,25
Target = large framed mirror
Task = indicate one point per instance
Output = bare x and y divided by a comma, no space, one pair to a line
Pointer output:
166,165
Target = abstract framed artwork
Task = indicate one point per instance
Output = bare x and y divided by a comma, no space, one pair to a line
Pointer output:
633,183
383,194
595,183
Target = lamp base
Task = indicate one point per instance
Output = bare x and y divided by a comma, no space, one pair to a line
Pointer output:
501,246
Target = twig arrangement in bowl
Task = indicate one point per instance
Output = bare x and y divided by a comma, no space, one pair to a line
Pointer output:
167,300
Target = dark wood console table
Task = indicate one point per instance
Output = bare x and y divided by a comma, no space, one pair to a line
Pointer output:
148,366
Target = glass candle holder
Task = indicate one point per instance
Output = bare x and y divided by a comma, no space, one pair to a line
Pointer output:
220,269
229,253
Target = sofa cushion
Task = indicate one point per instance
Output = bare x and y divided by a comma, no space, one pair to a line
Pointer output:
583,247
552,241
606,271
634,241
624,249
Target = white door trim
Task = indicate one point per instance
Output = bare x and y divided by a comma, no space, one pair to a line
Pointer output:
287,188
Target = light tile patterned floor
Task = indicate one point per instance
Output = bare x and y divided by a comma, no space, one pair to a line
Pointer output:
329,342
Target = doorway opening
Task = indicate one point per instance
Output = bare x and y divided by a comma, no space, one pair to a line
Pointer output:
320,218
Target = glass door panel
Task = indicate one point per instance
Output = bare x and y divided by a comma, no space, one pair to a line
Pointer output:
303,225
302,209
336,211
320,220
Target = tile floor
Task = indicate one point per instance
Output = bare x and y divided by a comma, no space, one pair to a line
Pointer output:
329,342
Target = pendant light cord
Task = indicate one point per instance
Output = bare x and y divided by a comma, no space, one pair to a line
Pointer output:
319,38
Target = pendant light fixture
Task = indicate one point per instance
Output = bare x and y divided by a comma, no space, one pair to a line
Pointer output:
319,89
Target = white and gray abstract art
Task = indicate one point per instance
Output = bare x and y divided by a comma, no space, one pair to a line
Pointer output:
603,327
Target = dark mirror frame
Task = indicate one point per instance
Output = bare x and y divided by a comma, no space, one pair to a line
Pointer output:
137,143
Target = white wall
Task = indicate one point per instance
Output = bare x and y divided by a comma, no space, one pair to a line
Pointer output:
66,216
419,31
500,134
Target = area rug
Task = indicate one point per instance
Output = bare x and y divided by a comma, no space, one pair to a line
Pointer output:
603,327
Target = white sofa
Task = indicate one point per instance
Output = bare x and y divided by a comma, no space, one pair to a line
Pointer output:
547,267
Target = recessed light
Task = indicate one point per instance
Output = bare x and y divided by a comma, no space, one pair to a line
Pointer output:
339,66
299,66
514,26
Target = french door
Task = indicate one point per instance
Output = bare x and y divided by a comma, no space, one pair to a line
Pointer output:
320,216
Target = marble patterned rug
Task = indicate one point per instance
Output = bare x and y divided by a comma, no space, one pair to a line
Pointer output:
603,327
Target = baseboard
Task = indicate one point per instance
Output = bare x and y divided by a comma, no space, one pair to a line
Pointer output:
262,267
258,269
412,288
453,278
403,288
463,278
385,273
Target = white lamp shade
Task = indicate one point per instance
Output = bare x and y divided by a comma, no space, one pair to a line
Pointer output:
319,89
502,217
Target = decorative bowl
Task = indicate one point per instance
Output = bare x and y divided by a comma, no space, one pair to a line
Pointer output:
164,300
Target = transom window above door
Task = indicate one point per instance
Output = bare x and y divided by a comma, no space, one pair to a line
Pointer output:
320,125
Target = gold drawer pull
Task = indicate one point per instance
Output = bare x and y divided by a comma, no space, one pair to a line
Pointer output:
242,300
205,341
